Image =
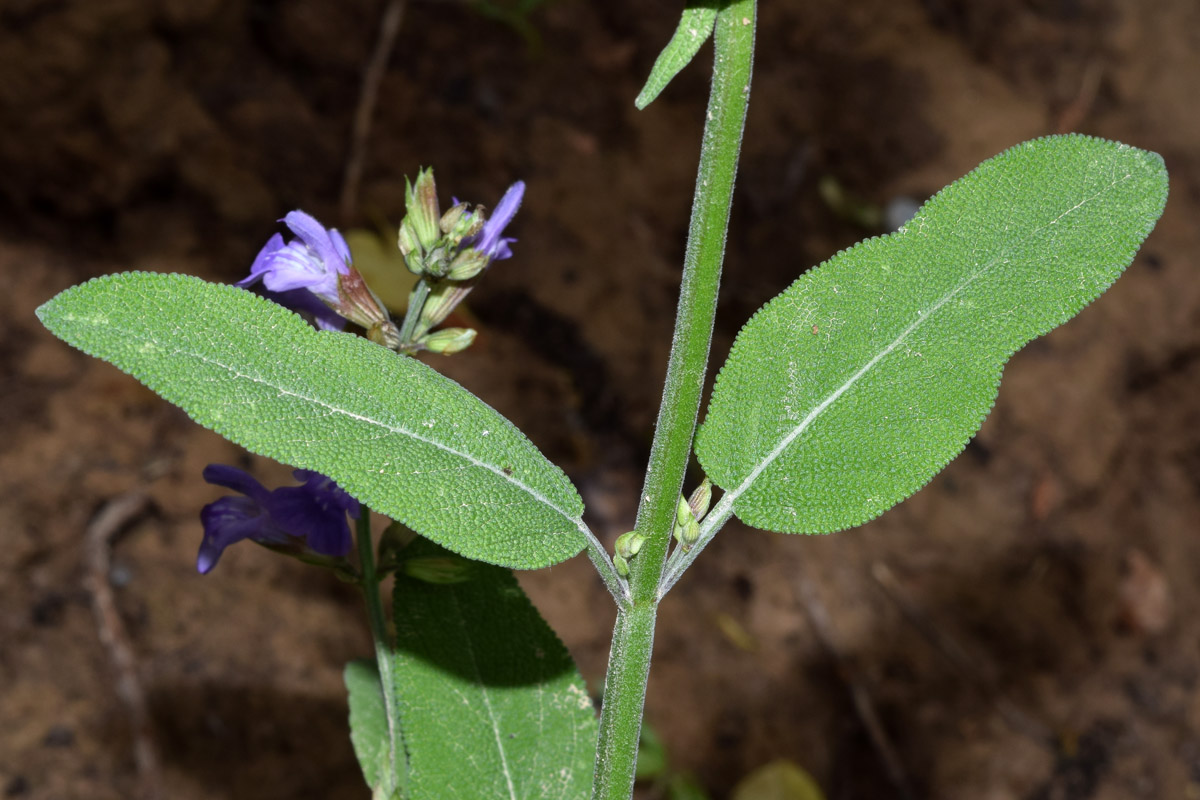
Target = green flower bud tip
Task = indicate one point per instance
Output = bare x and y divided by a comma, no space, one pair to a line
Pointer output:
386,334
458,223
448,341
410,246
420,200
467,264
443,298
683,513
700,499
438,569
690,533
621,565
629,544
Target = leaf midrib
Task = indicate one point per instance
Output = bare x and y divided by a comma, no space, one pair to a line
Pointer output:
237,373
922,317
483,691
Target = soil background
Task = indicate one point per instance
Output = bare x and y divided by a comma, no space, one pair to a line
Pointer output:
1024,627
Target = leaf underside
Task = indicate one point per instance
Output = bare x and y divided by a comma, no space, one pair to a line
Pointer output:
850,390
394,433
490,702
369,729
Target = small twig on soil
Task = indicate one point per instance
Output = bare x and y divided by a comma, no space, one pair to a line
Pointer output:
852,676
115,516
970,668
1077,110
389,27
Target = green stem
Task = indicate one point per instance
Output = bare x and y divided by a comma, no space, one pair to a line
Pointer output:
633,637
624,697
383,644
416,302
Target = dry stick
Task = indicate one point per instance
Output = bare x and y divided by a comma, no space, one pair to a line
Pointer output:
389,27
1077,110
818,614
114,517
969,667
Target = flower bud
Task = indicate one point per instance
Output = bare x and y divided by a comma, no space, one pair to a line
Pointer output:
357,303
629,544
701,497
386,334
438,569
467,264
410,248
687,529
448,340
458,223
443,298
690,534
421,203
621,565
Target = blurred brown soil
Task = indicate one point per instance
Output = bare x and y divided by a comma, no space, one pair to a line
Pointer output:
1060,553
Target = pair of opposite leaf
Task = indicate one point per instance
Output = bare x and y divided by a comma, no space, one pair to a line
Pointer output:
806,432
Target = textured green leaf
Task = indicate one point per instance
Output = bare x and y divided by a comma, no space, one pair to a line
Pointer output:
369,730
394,433
695,26
491,704
849,391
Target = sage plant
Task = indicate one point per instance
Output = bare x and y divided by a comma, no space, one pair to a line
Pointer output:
840,398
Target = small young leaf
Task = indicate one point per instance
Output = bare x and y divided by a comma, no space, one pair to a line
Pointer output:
849,391
394,433
490,703
369,731
695,26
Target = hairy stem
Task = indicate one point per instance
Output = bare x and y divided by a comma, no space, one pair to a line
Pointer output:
633,637
383,643
416,301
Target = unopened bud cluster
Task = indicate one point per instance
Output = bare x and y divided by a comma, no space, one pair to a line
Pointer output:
688,514
431,242
686,528
628,545
448,252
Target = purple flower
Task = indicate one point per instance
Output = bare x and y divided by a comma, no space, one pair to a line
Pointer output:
307,520
313,261
489,240
303,300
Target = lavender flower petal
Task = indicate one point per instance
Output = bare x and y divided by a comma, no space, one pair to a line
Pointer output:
313,261
310,518
489,240
320,240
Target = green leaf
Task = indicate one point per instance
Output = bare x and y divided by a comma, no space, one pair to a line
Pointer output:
683,786
652,755
394,433
695,26
491,704
369,730
849,391
779,780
